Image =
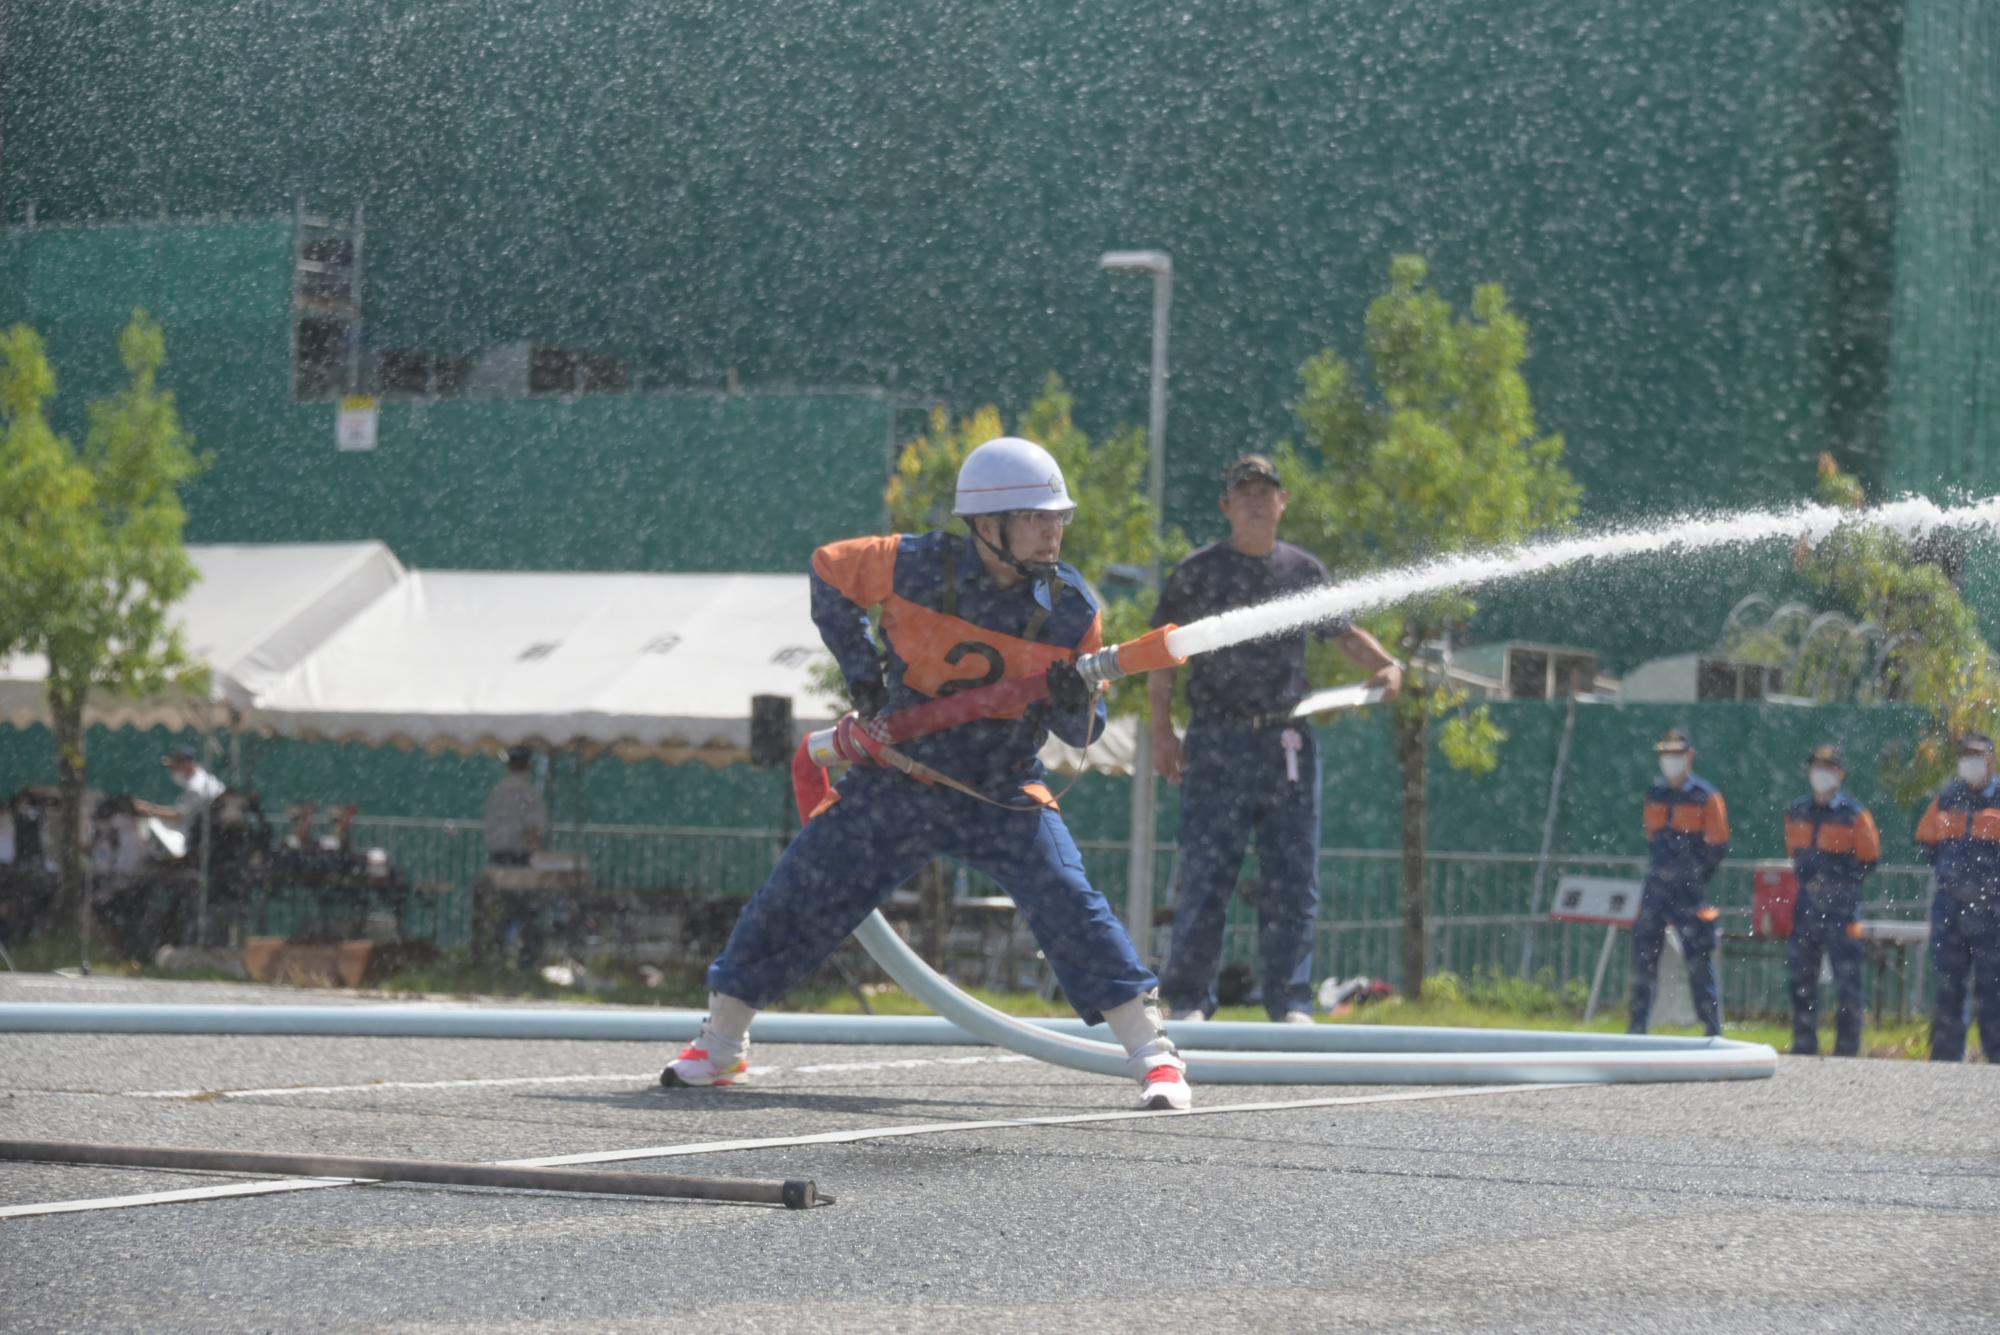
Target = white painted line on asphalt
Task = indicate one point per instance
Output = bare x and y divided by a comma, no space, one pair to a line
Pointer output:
173,1197
904,1062
372,1086
779,1142
1063,1119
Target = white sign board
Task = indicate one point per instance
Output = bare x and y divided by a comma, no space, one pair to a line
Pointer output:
354,429
1597,899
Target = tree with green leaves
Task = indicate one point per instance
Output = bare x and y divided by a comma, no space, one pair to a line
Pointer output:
1934,656
91,556
1445,457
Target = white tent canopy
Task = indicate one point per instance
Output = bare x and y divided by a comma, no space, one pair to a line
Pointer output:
338,640
253,615
638,664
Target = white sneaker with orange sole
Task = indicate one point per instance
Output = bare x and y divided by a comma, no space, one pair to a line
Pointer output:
1164,1089
697,1068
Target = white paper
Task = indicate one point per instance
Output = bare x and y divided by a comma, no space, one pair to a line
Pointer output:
1338,697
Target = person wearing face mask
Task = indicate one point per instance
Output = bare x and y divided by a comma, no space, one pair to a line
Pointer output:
1959,836
1687,834
1834,845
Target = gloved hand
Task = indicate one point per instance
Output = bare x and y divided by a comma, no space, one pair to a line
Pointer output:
859,740
1068,691
869,695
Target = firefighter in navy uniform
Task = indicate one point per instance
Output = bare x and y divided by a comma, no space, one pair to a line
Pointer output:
1687,834
1248,766
1834,846
958,611
1959,836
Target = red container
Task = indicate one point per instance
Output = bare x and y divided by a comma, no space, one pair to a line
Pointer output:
1776,888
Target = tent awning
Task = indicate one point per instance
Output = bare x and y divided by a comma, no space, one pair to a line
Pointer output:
339,641
253,615
636,664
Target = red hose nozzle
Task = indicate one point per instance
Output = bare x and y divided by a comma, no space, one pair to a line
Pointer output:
1148,653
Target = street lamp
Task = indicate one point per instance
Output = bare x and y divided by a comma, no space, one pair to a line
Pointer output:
1139,870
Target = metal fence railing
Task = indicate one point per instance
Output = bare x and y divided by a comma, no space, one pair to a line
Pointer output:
1480,906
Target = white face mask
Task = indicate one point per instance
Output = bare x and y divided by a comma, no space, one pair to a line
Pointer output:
1973,771
1674,767
1825,782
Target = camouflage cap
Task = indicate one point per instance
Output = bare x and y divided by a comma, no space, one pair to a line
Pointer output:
1251,468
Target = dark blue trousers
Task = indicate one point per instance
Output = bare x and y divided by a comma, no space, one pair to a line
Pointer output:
1235,784
884,829
1679,903
1820,923
1965,944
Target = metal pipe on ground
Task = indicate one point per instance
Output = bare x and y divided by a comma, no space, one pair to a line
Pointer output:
792,1193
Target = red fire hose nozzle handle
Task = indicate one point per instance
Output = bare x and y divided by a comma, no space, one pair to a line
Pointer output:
852,740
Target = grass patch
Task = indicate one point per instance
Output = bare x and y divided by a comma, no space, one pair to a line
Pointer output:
46,952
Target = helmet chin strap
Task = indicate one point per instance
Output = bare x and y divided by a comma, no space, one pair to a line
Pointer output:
1039,570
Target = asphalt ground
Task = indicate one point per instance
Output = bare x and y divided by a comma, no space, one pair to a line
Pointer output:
1841,1195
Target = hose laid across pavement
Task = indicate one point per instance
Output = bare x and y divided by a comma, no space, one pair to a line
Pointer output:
1217,1052
1638,1059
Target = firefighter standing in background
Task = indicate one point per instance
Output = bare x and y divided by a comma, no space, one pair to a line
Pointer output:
1834,846
1687,832
1249,767
1960,837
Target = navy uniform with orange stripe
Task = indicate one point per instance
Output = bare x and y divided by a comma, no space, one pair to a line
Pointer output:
1959,835
948,627
1687,835
1834,847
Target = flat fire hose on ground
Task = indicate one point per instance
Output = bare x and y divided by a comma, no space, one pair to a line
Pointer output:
1534,1061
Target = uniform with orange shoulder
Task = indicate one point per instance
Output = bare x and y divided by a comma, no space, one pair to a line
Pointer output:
1834,847
1959,835
960,613
1687,837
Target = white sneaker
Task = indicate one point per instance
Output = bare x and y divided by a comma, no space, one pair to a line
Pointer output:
1299,1017
1165,1088
696,1068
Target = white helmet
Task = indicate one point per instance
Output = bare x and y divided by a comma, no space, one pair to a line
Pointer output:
1010,474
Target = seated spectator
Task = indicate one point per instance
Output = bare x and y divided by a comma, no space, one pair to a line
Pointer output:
198,788
28,878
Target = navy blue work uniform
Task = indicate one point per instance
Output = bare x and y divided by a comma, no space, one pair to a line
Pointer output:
1248,767
1687,832
1834,847
948,627
1960,837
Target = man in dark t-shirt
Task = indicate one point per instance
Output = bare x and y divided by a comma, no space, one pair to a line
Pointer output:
1248,764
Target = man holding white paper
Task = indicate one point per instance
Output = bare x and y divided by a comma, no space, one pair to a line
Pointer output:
1249,765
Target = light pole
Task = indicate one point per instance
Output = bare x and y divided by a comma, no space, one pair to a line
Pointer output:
1139,870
